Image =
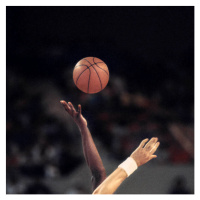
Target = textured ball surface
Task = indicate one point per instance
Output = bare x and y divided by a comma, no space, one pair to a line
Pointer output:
91,75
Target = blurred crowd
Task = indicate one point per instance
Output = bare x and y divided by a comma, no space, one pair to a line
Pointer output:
150,55
141,102
38,145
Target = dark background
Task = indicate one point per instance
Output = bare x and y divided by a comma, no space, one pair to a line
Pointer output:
150,55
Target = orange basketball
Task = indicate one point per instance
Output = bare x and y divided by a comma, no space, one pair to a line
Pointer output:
91,75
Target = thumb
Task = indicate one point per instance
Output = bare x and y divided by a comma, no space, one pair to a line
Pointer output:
153,156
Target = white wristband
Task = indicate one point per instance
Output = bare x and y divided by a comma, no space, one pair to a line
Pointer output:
129,166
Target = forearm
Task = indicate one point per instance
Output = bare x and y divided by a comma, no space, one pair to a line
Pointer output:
92,157
90,151
112,182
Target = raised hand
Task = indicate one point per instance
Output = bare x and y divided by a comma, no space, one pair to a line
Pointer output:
77,116
144,153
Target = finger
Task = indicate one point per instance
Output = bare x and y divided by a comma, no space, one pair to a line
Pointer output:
72,108
153,156
153,150
151,143
65,105
143,143
79,109
63,101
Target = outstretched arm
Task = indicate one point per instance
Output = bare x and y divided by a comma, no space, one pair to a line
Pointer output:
141,155
91,154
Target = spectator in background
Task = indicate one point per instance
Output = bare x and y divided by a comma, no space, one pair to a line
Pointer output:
38,187
14,186
179,186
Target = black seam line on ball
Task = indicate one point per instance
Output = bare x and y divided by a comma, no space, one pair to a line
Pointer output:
82,73
89,80
97,74
99,67
87,65
95,71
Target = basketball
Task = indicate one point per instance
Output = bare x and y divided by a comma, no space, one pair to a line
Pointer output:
91,75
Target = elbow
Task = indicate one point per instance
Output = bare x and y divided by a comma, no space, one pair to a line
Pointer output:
101,190
96,191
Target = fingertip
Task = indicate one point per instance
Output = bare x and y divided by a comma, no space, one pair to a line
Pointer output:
79,108
70,104
63,102
158,143
145,140
154,156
